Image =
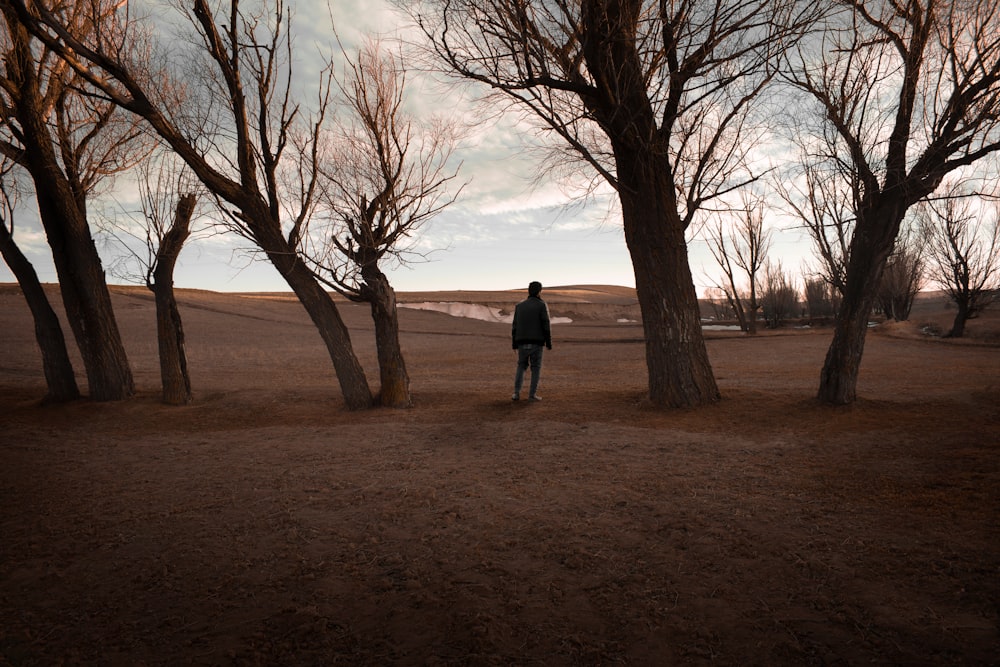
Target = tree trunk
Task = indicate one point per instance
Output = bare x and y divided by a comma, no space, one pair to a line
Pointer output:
871,245
839,377
736,303
84,292
395,381
58,369
961,317
170,336
81,277
676,358
680,374
169,330
324,314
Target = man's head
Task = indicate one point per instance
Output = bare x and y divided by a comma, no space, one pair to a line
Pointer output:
534,288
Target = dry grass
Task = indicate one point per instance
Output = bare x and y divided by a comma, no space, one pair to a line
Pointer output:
266,525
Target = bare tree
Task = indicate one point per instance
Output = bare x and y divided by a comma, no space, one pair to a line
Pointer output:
781,299
719,301
69,143
387,178
819,199
741,259
168,198
903,276
904,93
822,300
240,132
58,369
656,98
964,253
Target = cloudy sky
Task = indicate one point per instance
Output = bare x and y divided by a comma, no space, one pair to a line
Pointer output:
508,226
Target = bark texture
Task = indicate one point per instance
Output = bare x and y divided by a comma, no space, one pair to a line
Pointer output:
680,374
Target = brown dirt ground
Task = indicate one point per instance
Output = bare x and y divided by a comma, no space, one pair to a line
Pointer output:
267,525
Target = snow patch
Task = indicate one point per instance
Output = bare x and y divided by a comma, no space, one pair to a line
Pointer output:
473,311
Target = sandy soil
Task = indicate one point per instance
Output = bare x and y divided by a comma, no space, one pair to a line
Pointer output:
267,525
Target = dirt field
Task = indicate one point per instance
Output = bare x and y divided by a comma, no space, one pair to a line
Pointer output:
267,525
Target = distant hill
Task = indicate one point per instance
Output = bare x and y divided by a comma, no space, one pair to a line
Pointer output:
932,312
603,294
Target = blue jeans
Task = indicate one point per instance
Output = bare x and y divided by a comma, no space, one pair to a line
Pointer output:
528,354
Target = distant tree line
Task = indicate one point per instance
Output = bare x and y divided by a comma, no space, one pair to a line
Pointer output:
667,103
952,244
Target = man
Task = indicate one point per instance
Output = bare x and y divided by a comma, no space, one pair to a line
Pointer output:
529,332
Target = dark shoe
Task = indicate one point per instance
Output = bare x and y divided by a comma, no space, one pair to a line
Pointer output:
515,397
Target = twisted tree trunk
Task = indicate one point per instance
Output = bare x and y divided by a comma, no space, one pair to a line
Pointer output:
169,329
395,381
325,315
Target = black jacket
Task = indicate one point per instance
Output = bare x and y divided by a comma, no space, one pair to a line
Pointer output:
531,323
